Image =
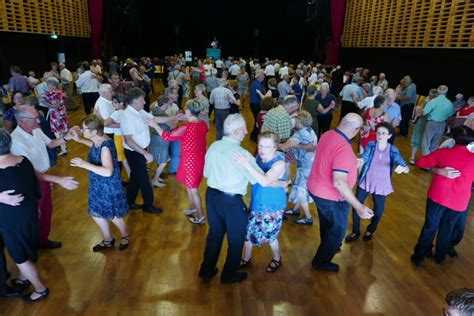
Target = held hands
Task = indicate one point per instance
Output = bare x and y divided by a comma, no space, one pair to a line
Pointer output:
399,169
68,183
73,133
7,197
449,172
364,212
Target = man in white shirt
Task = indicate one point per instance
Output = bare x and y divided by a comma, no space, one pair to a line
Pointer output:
28,140
221,97
136,136
270,71
88,82
66,79
283,70
368,102
104,107
234,70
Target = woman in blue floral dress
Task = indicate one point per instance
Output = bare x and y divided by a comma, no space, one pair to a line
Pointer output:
268,199
107,201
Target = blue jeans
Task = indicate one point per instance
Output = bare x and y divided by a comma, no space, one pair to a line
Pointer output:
175,156
458,231
379,207
437,217
333,222
226,214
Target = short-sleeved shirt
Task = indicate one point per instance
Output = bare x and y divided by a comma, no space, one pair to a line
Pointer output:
304,136
466,110
117,117
283,88
132,123
410,92
278,121
18,83
32,147
393,112
222,172
348,90
451,193
439,109
104,109
335,154
254,96
325,102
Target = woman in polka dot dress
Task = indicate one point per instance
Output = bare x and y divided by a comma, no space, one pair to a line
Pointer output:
192,136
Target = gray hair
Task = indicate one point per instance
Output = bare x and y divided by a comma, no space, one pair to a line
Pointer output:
221,82
5,142
352,120
104,88
194,107
201,88
325,85
233,122
290,100
442,89
53,82
462,300
377,90
305,118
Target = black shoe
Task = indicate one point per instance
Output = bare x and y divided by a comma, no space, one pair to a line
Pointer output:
51,244
367,236
438,260
8,275
352,237
103,245
135,206
20,284
9,291
125,183
234,278
122,247
206,277
417,262
285,217
154,210
43,295
452,253
330,267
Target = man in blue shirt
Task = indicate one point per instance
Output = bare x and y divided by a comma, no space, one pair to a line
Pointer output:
257,92
17,82
407,98
393,111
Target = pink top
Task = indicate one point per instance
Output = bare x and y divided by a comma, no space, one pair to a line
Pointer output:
451,193
334,154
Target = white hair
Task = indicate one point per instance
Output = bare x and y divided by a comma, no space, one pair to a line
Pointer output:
104,88
377,90
443,90
325,85
233,122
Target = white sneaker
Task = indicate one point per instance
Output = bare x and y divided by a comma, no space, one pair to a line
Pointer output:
189,212
158,184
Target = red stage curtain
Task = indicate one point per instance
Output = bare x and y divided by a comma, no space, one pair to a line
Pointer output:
333,47
95,16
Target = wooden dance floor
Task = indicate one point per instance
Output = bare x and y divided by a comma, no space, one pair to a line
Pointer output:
158,273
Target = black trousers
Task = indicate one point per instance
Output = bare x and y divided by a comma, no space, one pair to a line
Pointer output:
324,122
139,179
348,107
406,111
89,99
226,213
3,265
255,107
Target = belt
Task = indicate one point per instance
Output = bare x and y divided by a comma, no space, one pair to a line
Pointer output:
224,193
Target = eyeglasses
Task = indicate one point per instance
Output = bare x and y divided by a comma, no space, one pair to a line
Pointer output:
382,133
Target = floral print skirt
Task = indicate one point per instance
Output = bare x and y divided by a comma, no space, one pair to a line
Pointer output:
264,227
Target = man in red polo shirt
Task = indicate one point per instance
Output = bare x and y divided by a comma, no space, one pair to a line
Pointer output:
333,175
447,198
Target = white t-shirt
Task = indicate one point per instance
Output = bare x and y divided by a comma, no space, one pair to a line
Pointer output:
219,64
234,70
367,102
283,71
32,147
117,117
133,123
104,109
270,70
66,76
87,82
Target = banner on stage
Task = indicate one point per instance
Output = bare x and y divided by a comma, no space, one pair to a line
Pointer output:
214,53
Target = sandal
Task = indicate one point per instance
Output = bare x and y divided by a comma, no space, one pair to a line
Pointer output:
198,220
42,295
245,263
20,284
273,266
104,245
412,161
124,246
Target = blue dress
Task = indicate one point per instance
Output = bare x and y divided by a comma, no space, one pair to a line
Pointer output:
266,209
106,194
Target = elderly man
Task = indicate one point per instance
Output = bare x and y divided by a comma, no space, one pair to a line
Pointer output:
278,119
407,99
104,107
28,140
221,98
17,82
351,95
66,79
382,82
284,87
333,175
437,111
257,92
179,76
392,109
88,82
227,213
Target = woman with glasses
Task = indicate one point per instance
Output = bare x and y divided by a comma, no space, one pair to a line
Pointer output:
376,166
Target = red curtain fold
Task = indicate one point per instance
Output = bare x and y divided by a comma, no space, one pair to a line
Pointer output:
95,16
333,49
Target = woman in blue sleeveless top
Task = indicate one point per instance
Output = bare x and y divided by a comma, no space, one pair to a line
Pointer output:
268,199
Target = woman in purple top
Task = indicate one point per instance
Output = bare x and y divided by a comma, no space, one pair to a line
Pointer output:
375,177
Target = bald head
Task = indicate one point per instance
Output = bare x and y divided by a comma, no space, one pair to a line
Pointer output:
350,124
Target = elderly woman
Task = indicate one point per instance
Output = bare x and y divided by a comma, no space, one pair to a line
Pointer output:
192,137
375,178
107,200
327,104
243,80
9,120
19,223
268,203
200,93
304,160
